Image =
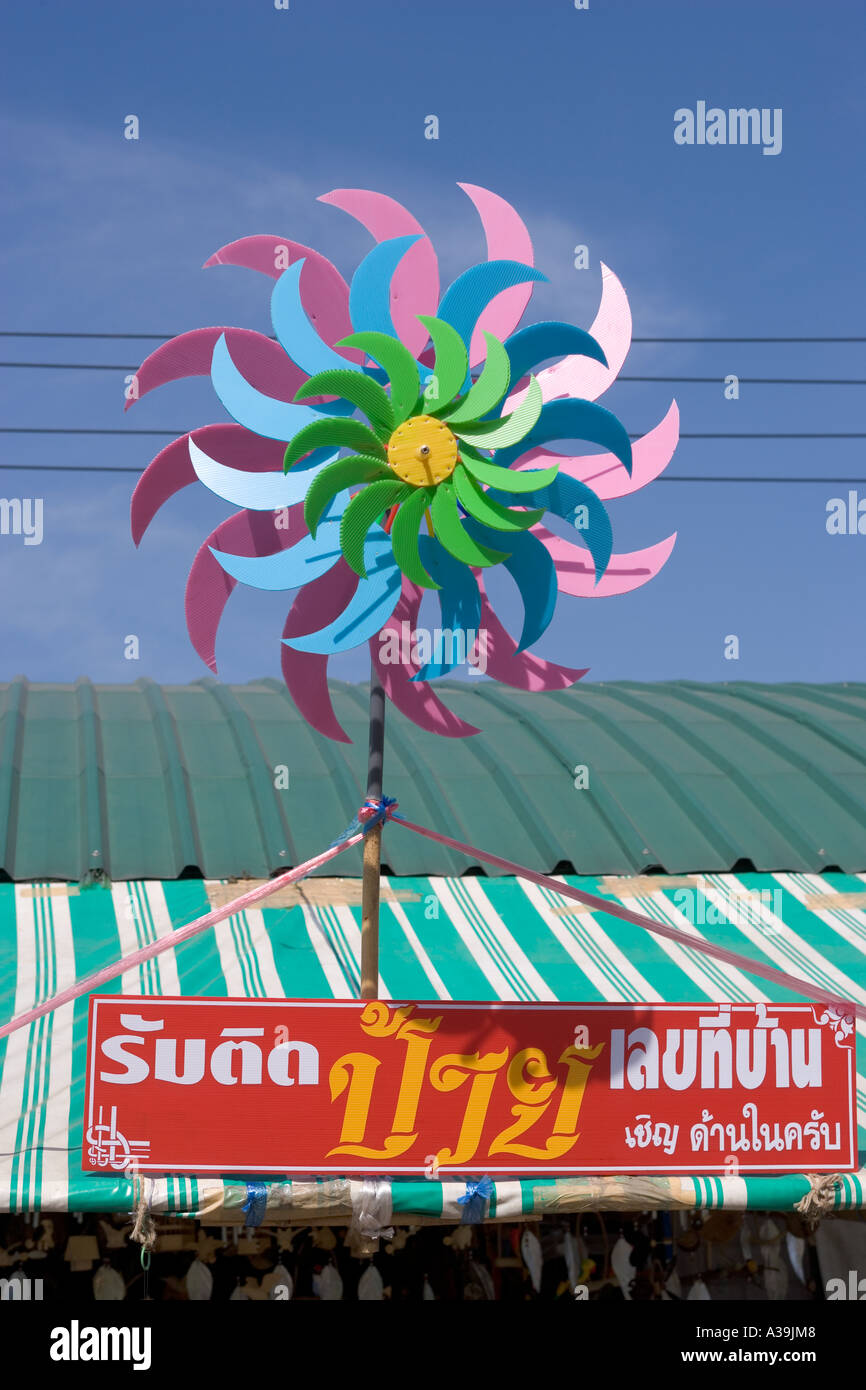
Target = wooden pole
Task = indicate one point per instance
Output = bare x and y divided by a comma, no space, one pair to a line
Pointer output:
372,845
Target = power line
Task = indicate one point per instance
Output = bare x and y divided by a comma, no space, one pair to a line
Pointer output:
743,380
176,434
163,337
749,340
675,380
662,478
732,478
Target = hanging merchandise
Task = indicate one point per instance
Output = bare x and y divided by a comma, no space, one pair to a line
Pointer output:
328,1285
108,1284
459,1239
398,1241
113,1237
81,1251
199,1282
427,1294
620,1263
370,1286
279,1284
323,1238
698,1293
530,1250
572,1255
481,1281
796,1248
775,1272
746,1240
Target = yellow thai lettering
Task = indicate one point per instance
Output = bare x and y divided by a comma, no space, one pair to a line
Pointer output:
531,1084
579,1062
453,1070
379,1021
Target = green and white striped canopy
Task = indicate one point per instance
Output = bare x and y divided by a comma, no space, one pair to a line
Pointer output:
446,938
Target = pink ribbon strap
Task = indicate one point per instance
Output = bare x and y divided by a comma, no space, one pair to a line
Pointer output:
166,943
614,909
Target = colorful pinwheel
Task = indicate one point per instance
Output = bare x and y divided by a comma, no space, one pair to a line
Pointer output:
439,484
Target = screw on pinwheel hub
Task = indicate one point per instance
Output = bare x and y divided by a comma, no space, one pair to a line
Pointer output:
422,451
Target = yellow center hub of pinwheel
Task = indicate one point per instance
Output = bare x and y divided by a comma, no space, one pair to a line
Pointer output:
422,451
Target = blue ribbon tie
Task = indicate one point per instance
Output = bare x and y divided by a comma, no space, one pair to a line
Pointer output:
477,1192
372,813
256,1203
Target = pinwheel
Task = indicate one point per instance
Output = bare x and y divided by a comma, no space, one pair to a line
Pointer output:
444,477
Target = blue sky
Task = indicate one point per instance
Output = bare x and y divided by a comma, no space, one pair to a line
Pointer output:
248,113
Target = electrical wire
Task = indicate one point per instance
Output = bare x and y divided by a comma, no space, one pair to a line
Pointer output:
675,380
177,433
163,337
662,478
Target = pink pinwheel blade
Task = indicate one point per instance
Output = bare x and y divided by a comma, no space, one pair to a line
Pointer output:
262,361
415,699
415,286
575,567
507,240
521,670
324,292
172,470
581,376
604,473
306,673
208,587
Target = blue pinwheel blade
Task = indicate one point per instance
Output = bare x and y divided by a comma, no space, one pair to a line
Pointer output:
466,299
577,503
260,492
262,414
531,566
287,569
539,341
459,604
295,334
573,419
370,291
370,607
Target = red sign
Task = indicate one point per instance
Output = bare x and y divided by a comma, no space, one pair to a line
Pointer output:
242,1086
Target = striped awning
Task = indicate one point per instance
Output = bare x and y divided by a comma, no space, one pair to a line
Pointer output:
446,938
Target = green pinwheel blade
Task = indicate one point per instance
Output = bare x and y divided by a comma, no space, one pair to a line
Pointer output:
336,432
506,479
360,514
488,390
499,434
404,538
337,476
361,390
450,363
483,508
398,362
449,530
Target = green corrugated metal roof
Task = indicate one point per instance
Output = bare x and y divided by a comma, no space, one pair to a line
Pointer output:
147,781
